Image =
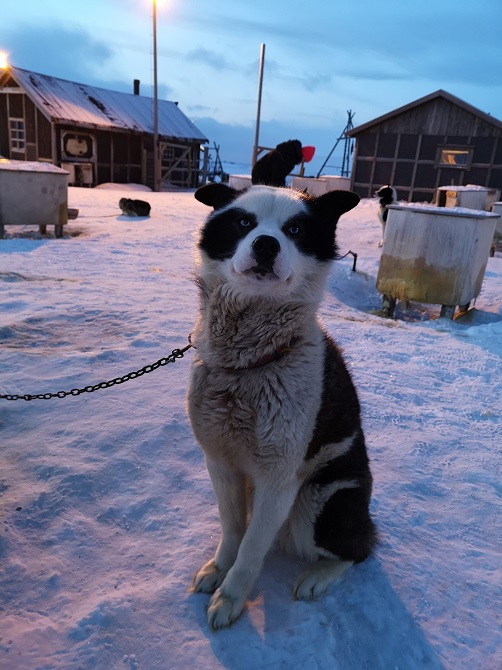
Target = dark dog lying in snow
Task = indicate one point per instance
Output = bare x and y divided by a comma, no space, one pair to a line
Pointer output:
134,207
273,168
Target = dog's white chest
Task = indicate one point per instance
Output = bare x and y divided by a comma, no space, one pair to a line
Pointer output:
255,417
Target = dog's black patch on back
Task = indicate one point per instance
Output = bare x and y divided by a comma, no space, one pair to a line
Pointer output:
352,465
339,414
224,230
344,526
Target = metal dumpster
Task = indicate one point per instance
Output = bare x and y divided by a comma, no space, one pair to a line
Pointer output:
434,255
33,193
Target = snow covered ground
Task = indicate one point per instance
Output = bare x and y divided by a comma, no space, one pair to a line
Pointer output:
107,510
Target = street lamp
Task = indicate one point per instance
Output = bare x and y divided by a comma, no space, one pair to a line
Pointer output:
258,111
156,166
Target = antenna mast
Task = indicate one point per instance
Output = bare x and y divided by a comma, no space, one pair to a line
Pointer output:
347,148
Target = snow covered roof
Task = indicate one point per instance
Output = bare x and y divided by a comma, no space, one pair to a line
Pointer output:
93,107
432,96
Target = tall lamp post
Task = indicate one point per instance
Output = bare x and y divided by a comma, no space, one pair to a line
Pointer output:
258,111
156,166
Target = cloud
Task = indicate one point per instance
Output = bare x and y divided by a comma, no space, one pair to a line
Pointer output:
366,41
315,81
32,47
86,59
199,109
206,57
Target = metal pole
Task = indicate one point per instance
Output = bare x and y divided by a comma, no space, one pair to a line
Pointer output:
156,179
260,85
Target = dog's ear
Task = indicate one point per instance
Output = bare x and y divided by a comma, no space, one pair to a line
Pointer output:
335,203
216,195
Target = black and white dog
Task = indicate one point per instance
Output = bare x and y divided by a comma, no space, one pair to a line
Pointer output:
388,196
271,401
273,168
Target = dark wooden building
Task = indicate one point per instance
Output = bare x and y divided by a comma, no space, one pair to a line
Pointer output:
96,134
438,140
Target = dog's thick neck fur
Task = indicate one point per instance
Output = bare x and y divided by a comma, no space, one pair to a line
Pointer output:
234,332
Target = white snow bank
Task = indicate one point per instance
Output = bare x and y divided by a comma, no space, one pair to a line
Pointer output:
107,507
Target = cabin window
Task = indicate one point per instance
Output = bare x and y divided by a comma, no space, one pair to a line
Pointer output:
454,157
17,134
76,145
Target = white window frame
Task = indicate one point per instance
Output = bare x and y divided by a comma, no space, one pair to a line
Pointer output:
17,134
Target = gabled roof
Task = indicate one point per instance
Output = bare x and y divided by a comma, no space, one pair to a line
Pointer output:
428,98
65,101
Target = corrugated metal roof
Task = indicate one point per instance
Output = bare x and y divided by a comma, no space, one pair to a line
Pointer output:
94,107
427,98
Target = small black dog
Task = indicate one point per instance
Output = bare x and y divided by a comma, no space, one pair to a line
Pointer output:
273,168
388,196
134,207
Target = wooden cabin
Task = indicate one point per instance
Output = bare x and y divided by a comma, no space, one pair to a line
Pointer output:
438,140
96,134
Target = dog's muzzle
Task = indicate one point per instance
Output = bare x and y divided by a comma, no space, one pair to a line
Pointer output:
264,250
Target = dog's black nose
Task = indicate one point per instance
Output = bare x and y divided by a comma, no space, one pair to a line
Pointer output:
265,248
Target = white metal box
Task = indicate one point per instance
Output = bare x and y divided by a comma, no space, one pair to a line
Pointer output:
33,193
470,196
434,254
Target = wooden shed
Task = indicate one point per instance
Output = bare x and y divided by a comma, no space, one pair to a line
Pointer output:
98,135
438,140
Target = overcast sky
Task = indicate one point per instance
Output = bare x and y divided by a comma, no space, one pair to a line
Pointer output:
323,57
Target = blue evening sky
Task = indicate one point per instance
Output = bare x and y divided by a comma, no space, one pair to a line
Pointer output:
323,57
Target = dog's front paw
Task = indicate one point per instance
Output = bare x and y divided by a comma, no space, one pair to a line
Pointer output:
223,610
208,578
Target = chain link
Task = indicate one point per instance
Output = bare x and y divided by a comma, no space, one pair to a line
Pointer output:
173,356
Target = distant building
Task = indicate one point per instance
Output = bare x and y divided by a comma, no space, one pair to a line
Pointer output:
438,140
96,134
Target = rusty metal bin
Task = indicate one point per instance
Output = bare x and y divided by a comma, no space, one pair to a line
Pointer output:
434,255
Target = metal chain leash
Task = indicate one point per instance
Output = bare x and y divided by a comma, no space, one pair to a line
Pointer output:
173,356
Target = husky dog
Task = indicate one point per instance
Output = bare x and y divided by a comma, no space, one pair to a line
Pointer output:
388,196
271,401
273,168
134,207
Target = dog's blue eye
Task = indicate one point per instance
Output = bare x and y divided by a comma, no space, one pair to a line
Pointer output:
294,230
245,223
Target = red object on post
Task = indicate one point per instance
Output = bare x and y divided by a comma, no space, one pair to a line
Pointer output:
308,153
